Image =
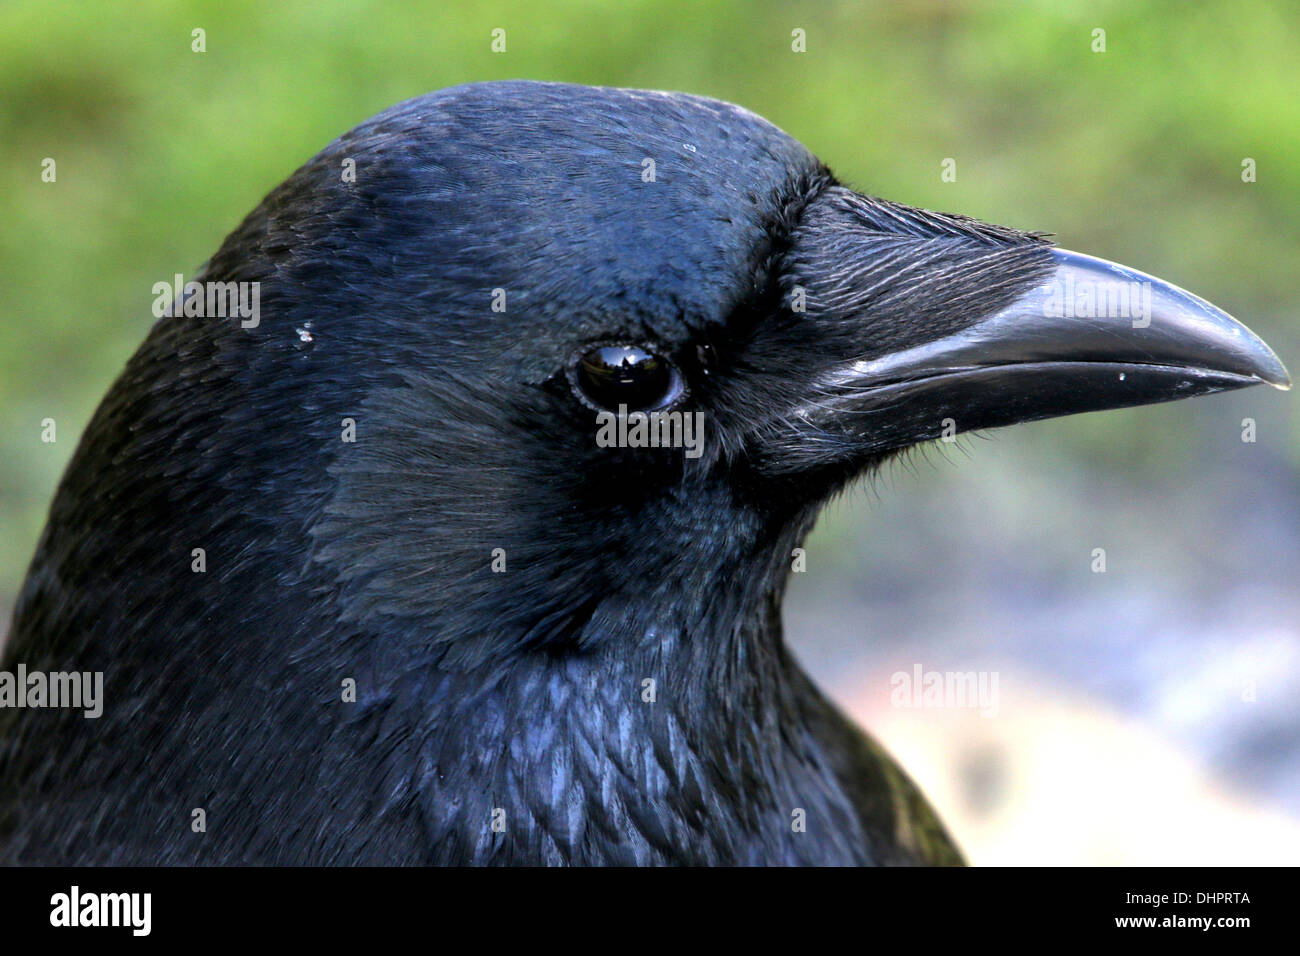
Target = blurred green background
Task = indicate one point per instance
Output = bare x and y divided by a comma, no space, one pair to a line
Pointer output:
1134,154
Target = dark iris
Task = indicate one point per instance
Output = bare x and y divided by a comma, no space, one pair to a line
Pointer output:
614,375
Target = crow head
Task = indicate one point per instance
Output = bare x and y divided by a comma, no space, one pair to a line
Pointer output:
515,259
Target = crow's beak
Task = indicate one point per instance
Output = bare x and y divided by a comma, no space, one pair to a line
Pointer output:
1094,335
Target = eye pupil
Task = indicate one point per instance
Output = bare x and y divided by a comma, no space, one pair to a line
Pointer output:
614,375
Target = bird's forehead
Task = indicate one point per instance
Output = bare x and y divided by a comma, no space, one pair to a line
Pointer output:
598,207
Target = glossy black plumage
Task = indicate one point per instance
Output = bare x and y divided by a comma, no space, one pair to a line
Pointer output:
515,697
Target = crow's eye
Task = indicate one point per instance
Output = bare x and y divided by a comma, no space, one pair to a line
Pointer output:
614,375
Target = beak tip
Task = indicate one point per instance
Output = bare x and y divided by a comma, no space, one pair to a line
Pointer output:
1269,369
1199,333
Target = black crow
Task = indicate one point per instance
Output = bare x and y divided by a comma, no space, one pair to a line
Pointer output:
372,577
